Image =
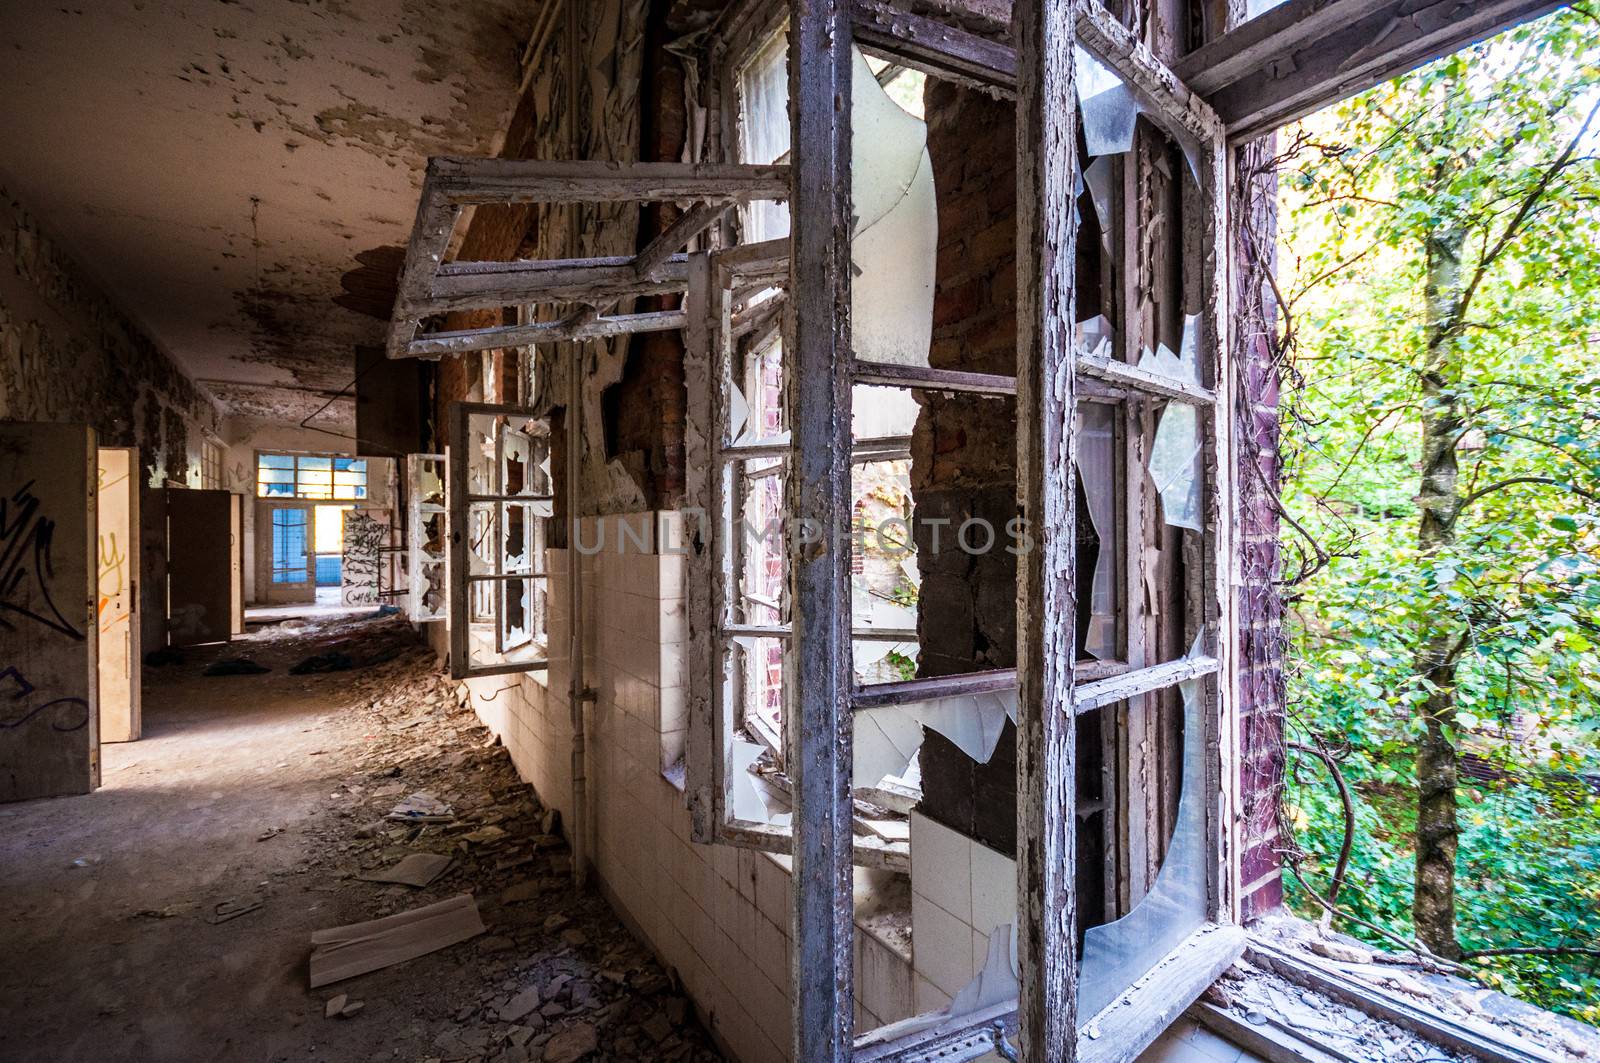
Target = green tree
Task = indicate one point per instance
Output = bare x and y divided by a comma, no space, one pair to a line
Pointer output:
1441,243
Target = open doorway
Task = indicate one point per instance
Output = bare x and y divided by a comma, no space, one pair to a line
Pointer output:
327,544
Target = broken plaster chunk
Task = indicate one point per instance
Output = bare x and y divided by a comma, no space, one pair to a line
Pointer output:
1341,951
335,1005
519,1006
571,1044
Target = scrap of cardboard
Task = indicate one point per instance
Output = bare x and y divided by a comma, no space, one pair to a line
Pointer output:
416,869
345,951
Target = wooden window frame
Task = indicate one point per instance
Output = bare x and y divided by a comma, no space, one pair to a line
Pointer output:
716,280
459,576
1046,388
418,563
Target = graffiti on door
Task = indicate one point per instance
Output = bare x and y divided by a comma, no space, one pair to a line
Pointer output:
26,572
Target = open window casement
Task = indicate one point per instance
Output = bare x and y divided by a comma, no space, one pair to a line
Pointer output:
427,597
501,502
739,461
1100,420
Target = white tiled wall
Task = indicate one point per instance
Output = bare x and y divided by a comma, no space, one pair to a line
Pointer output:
960,891
719,916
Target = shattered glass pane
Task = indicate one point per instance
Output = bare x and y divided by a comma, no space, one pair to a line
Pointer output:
1107,103
425,531
886,738
1099,177
489,645
1097,468
756,683
1117,954
508,594
896,229
1174,462
882,412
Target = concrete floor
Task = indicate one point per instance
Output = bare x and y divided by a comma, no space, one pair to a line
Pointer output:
253,788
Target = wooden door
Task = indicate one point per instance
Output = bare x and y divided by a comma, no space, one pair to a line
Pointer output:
117,601
199,567
49,724
236,561
285,572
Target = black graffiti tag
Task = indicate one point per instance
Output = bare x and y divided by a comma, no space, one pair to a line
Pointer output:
25,537
72,714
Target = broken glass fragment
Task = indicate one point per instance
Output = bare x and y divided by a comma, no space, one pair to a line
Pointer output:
1174,463
1117,954
1109,108
896,230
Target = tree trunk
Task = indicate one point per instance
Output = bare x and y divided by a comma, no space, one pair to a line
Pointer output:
1433,900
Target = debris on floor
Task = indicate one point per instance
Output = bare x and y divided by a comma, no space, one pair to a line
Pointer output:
272,793
422,807
345,951
235,666
415,869
559,976
231,908
322,662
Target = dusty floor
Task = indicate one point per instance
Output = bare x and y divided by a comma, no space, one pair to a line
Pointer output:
271,788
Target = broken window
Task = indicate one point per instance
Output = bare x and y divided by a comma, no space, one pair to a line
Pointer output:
426,598
740,379
314,476
500,505
1136,382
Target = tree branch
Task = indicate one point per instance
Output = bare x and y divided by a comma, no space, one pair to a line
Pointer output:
1532,950
1549,481
1343,864
1529,201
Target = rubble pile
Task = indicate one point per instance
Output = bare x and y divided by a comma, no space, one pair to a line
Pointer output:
559,977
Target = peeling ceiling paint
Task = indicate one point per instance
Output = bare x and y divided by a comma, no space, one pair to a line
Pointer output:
220,165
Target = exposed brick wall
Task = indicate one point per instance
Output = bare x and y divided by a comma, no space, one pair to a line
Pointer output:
1259,606
964,449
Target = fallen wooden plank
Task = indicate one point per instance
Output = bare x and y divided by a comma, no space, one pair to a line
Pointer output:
345,951
415,869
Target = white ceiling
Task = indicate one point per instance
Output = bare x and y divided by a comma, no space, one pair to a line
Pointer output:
218,164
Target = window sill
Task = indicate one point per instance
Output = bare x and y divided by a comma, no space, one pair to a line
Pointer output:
1122,1030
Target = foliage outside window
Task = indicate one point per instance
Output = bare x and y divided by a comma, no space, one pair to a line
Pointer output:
1441,265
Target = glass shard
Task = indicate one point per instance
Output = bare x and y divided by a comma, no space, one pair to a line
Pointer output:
896,231
1107,103
1117,954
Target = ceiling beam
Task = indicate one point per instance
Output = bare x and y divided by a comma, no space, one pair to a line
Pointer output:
1306,54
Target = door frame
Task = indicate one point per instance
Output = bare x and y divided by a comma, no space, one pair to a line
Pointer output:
268,592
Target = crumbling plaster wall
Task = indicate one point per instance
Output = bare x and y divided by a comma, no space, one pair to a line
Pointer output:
69,354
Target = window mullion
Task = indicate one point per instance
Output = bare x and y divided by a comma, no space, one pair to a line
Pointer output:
1047,173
